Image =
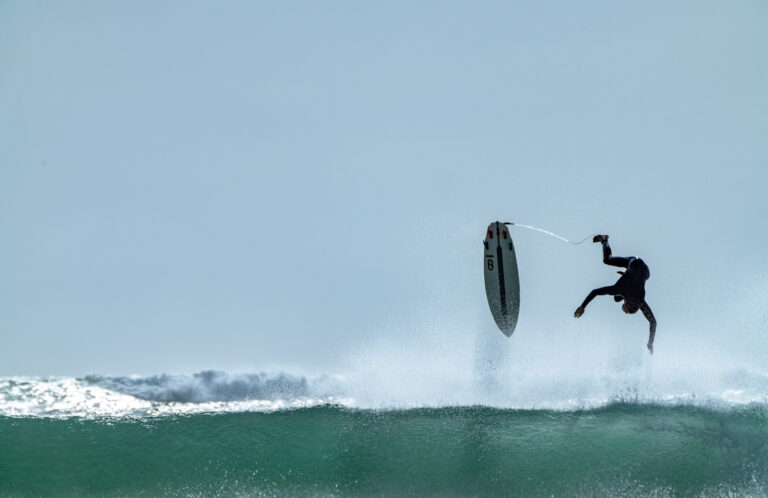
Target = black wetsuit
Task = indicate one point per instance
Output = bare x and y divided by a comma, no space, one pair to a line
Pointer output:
630,287
631,284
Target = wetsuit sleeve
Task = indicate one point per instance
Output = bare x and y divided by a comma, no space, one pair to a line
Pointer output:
651,319
608,259
602,291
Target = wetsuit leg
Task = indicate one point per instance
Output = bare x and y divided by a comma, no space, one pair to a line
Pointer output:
608,259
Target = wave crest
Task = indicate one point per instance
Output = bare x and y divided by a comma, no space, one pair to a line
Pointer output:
159,395
206,386
376,387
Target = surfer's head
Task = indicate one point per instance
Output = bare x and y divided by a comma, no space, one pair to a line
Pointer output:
630,305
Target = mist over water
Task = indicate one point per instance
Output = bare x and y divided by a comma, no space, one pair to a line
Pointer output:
444,366
452,355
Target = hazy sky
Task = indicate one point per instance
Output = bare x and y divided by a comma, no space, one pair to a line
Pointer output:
259,185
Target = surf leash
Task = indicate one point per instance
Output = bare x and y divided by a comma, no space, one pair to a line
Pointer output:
548,233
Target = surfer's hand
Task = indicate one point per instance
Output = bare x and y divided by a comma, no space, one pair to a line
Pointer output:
579,311
650,346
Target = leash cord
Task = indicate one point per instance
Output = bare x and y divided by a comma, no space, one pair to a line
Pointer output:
548,233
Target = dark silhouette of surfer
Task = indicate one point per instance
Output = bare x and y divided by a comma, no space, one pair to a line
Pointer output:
630,287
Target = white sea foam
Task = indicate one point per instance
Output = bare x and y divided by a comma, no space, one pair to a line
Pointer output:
377,388
70,397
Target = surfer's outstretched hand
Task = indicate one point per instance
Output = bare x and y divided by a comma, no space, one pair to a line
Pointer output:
650,346
579,311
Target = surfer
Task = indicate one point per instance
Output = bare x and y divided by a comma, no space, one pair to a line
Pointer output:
630,287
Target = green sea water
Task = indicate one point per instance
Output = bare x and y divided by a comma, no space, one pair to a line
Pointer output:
619,450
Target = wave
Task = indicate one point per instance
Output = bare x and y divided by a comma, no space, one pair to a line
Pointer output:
203,392
206,386
620,450
221,392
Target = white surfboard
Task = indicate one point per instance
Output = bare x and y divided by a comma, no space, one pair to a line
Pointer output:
502,283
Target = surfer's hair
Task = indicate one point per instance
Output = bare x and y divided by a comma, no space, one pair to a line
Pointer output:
631,305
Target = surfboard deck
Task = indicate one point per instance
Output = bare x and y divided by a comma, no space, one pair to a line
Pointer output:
502,282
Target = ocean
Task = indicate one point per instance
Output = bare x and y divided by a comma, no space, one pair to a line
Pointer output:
220,434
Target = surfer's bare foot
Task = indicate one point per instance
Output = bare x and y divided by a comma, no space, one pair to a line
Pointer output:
579,311
650,347
599,238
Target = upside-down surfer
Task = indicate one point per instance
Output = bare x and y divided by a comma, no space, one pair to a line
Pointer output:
630,287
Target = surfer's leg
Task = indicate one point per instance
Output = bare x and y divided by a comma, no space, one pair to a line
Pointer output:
608,259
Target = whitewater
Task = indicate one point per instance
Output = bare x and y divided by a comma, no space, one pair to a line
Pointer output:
221,392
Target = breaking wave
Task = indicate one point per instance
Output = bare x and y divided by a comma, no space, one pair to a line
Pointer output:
206,386
221,392
204,392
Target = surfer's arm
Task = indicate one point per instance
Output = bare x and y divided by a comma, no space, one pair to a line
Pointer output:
602,291
652,320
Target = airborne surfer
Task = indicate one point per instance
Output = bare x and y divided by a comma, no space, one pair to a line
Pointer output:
630,287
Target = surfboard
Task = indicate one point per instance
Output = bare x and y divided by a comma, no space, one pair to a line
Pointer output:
502,282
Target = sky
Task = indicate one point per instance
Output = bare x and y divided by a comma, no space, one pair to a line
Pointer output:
246,186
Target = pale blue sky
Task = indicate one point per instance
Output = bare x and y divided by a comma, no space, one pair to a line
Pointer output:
258,185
